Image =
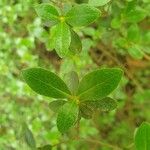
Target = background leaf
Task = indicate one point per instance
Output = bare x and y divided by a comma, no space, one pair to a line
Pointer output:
82,15
142,137
135,52
46,147
98,84
67,116
98,2
28,136
45,83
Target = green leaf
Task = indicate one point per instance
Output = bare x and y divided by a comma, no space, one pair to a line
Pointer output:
133,33
28,136
46,147
62,38
75,45
67,116
135,52
135,15
105,104
56,105
98,2
116,23
72,81
45,83
98,84
82,15
142,137
86,111
47,12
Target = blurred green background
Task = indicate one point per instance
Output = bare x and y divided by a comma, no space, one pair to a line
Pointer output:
119,38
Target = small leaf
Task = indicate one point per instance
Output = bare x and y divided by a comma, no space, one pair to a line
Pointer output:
67,116
98,84
133,33
135,52
135,15
116,23
62,38
142,137
47,12
28,136
45,83
86,111
98,2
105,104
56,105
82,15
72,81
46,147
75,45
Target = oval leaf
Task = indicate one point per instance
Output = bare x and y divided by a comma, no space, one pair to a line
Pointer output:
98,2
72,81
56,105
75,45
142,137
45,83
47,12
62,37
82,15
98,84
135,52
105,104
28,136
67,116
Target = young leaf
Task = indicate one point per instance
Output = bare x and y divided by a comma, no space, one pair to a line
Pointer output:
45,83
47,12
72,81
28,137
62,37
98,84
75,45
56,105
142,137
105,104
46,147
98,2
82,15
67,116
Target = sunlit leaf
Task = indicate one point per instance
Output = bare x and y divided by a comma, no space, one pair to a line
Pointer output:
98,84
82,15
47,12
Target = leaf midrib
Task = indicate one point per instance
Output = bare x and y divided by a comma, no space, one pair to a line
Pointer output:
65,94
